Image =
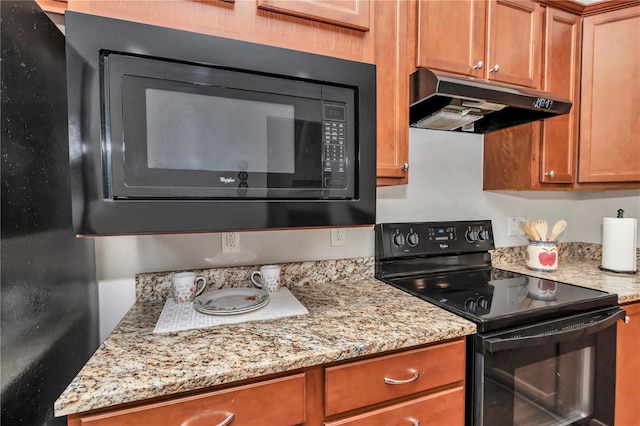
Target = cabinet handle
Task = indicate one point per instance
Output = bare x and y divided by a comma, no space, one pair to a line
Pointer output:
415,376
550,174
227,420
478,66
495,68
405,167
627,319
414,422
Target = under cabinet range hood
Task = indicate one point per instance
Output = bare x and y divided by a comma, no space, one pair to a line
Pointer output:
444,101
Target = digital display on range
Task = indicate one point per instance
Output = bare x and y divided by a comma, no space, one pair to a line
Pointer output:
447,233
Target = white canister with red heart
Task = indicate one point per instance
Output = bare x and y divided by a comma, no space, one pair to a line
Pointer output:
542,255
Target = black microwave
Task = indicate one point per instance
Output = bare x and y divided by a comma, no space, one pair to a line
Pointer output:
173,131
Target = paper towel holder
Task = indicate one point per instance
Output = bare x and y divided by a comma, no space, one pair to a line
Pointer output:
631,245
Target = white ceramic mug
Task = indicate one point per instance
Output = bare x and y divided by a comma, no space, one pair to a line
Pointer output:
269,278
184,286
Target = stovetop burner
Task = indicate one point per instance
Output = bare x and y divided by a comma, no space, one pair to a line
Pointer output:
448,264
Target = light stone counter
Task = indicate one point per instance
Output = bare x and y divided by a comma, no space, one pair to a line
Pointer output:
350,314
579,264
349,317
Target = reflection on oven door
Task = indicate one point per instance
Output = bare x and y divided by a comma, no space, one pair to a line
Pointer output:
552,392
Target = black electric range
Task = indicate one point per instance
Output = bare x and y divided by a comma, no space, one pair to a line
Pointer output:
568,377
449,264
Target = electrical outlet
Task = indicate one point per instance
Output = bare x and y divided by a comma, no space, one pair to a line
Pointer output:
230,242
338,237
515,230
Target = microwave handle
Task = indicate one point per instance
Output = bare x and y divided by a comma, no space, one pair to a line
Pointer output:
498,344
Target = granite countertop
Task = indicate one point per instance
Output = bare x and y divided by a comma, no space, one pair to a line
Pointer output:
351,314
347,319
579,264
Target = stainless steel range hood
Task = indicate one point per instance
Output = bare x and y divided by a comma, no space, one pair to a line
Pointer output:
444,101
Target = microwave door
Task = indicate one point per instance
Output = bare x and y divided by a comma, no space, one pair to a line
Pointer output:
225,144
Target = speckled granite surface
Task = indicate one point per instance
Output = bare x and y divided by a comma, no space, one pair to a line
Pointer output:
157,286
350,314
347,319
579,264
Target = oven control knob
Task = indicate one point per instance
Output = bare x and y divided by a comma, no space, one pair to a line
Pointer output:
470,305
398,240
471,235
412,239
483,235
482,302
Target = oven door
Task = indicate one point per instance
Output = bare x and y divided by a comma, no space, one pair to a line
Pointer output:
560,372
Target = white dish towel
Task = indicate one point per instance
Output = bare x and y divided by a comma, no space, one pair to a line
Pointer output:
182,316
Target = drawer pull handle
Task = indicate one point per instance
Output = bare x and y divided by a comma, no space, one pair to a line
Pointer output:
389,381
414,422
227,420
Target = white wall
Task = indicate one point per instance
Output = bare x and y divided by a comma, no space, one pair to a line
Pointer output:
445,184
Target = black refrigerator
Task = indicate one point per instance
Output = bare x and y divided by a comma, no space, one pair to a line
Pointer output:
49,298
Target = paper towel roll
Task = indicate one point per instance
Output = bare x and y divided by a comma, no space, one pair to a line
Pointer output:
619,244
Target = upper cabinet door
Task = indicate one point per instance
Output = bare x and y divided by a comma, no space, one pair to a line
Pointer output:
514,42
561,76
345,13
609,121
495,40
451,35
392,47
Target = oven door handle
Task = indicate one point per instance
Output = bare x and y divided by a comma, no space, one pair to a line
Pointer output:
498,344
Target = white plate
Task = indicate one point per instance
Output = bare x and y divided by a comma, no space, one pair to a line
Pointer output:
230,301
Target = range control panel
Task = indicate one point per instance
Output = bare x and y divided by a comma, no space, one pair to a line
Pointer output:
432,238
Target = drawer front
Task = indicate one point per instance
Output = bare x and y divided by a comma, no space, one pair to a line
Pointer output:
278,401
441,408
363,383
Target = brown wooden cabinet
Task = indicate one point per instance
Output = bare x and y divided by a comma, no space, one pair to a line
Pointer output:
350,14
278,401
444,407
429,390
628,367
392,51
534,155
425,385
610,111
547,155
559,135
497,40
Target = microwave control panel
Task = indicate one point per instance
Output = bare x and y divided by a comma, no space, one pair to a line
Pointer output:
334,143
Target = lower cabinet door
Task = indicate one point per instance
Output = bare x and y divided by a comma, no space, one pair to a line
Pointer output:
272,402
441,408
